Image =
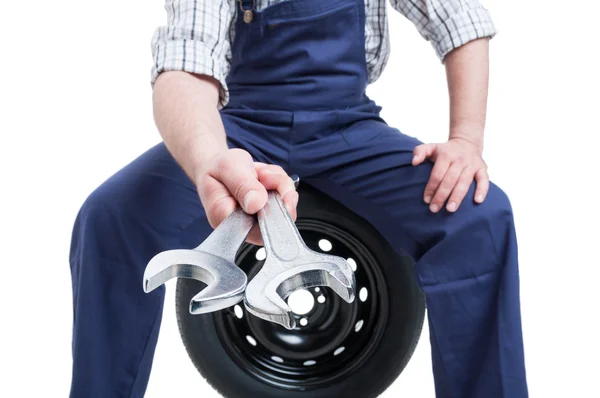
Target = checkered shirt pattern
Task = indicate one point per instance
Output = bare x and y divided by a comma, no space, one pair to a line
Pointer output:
198,34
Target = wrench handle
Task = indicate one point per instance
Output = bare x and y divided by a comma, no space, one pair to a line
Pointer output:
228,237
279,233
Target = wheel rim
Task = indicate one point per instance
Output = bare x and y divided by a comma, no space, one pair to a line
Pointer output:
331,341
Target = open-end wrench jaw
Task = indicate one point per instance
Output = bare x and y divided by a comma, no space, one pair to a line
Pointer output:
213,263
290,266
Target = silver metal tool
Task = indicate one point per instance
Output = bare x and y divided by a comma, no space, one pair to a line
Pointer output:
213,262
290,266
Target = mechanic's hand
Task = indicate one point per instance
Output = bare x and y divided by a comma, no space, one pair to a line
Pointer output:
233,177
456,164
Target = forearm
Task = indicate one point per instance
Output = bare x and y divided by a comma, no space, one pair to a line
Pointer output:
467,71
187,117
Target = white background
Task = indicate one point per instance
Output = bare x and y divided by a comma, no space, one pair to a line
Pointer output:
75,106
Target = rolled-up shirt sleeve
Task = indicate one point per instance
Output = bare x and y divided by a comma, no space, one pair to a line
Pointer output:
194,40
447,24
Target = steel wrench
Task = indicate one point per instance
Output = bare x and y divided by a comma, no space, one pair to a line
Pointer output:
213,262
289,266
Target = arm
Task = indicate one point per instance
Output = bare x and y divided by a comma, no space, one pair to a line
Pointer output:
189,88
467,74
188,120
459,31
188,79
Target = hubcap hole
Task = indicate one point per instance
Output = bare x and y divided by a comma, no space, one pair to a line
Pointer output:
238,311
359,326
277,359
309,363
321,299
301,302
303,322
251,340
363,294
352,264
339,351
325,245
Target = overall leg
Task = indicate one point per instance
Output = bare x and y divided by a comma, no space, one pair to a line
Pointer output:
466,261
147,207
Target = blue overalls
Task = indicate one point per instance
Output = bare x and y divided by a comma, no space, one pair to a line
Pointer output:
297,86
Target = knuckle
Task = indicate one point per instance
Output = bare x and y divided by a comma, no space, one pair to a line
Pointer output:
453,175
277,169
481,174
238,188
223,162
436,177
234,157
239,153
443,193
430,189
446,186
462,187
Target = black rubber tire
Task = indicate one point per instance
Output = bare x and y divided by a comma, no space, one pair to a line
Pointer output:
406,309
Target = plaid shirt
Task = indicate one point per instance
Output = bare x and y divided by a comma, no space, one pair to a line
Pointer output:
198,35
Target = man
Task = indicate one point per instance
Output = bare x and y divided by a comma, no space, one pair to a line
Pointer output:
248,92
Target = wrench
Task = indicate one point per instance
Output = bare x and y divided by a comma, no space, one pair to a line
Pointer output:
289,266
213,262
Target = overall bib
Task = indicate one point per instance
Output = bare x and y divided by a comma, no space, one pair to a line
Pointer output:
297,86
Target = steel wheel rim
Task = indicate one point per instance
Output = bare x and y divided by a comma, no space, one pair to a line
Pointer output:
338,337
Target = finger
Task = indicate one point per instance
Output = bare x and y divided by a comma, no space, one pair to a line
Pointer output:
216,200
237,172
421,152
264,173
460,189
483,184
446,186
260,166
273,179
220,206
437,175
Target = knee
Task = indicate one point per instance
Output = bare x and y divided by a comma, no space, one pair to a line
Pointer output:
493,219
101,221
497,205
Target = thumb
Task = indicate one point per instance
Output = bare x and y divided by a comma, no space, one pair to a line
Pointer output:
237,172
421,152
